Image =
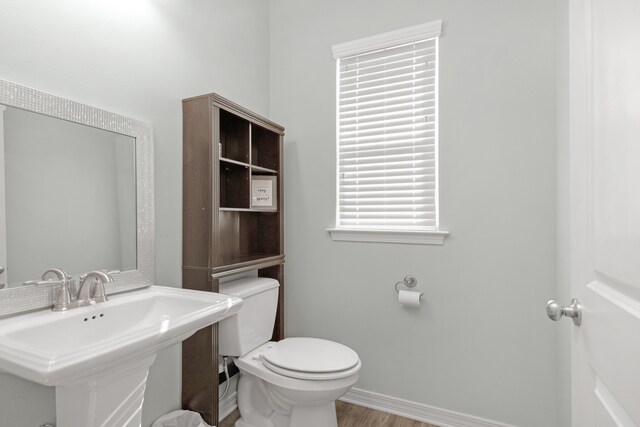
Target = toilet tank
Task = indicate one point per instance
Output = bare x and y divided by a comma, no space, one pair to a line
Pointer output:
253,325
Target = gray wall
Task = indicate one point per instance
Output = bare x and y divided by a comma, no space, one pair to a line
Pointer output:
481,343
137,58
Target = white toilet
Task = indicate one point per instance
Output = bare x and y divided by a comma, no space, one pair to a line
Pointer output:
290,383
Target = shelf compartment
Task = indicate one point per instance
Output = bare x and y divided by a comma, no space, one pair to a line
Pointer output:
247,235
265,148
264,192
235,180
234,137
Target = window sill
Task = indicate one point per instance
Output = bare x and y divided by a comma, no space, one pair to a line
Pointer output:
435,237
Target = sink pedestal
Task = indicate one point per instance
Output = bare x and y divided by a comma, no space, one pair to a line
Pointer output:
111,398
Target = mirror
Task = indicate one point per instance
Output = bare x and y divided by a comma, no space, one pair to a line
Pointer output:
76,192
69,197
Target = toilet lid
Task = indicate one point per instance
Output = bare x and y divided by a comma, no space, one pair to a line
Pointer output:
311,355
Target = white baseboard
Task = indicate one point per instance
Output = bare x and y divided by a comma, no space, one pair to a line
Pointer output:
228,405
416,411
392,405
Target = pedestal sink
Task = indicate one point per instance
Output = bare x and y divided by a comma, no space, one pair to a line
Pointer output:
98,357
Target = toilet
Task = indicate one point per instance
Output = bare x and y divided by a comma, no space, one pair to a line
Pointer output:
290,383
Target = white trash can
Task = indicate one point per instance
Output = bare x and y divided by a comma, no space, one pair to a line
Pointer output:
180,419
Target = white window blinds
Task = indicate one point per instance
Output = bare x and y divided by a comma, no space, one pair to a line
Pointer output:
387,137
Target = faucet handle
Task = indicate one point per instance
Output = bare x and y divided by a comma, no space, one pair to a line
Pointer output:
53,276
56,273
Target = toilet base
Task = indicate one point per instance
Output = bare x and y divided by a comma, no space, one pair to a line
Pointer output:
314,416
301,416
269,399
267,405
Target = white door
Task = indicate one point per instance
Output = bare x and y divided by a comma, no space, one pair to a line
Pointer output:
605,210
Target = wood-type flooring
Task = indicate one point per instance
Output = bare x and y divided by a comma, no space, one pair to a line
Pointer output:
350,415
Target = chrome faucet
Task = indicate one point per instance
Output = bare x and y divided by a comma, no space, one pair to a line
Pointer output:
63,298
57,276
92,288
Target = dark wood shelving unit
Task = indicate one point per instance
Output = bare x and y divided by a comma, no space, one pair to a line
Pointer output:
225,147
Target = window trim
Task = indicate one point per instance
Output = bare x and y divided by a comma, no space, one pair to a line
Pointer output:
379,41
405,35
431,237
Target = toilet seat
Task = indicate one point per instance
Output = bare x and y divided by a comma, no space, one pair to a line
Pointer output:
299,375
310,359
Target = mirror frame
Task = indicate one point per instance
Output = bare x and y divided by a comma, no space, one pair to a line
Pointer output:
29,298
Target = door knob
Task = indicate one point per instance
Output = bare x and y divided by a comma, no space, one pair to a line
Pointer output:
555,311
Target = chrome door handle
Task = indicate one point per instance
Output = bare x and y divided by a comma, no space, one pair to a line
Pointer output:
2,269
555,311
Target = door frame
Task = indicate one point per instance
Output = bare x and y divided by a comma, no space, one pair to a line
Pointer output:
580,95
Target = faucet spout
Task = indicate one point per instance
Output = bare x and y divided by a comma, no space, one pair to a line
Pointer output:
92,287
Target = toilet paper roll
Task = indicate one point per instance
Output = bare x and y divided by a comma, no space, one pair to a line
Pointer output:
409,298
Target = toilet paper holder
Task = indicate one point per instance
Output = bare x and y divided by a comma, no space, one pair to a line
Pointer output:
409,282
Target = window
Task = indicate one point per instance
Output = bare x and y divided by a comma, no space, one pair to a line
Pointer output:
387,132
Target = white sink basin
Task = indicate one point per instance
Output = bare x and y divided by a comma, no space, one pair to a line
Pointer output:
53,348
84,350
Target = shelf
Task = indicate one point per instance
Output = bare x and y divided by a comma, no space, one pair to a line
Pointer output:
234,209
235,162
255,210
254,168
261,170
241,264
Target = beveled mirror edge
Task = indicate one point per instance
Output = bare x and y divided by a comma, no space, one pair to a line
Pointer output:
29,298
